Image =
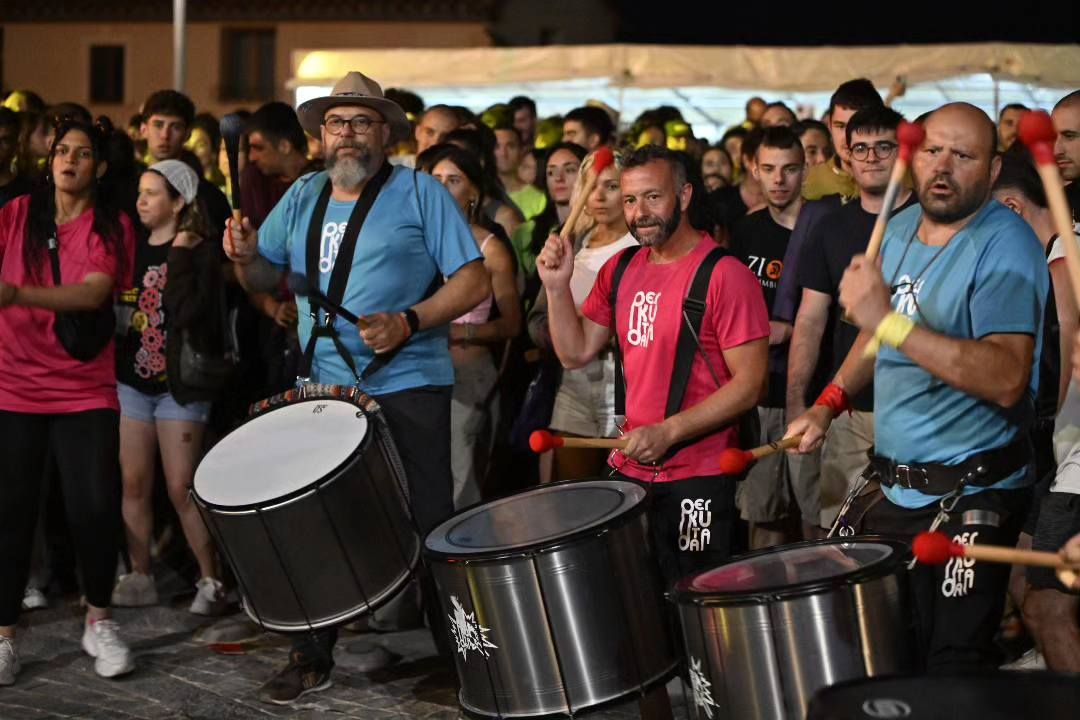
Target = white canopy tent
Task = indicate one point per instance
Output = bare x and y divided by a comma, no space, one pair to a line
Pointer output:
709,84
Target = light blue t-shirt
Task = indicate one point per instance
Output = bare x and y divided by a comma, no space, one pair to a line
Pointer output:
990,278
414,233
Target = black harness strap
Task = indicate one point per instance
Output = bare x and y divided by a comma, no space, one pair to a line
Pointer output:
616,277
690,330
687,347
339,275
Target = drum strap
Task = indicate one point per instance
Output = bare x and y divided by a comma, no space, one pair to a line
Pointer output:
339,275
620,382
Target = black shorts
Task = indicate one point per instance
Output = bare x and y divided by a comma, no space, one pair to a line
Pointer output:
1058,520
690,522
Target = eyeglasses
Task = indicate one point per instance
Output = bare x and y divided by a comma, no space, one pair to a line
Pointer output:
883,150
360,124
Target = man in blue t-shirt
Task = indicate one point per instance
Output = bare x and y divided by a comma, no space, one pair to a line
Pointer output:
413,236
955,308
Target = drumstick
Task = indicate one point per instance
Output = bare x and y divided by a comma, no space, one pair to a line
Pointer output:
541,441
232,127
1036,130
601,159
935,548
733,460
910,136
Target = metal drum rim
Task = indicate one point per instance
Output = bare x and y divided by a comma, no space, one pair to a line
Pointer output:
534,548
392,592
682,594
334,474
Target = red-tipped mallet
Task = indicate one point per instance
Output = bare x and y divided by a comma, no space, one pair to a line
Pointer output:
540,441
909,136
935,548
1036,130
602,158
733,460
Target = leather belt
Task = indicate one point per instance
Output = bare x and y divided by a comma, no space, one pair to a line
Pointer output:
982,469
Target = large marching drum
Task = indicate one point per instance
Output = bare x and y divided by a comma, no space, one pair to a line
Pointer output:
554,599
308,503
766,631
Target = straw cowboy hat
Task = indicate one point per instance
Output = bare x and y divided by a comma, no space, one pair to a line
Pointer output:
355,88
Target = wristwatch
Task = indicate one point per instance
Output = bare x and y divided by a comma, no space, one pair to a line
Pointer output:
413,321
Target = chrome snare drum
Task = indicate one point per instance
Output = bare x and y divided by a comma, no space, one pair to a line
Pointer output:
308,504
766,631
554,599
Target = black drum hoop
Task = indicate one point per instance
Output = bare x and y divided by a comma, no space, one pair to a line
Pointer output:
683,594
533,549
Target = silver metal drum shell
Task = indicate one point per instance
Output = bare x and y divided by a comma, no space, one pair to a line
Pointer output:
765,661
307,559
589,611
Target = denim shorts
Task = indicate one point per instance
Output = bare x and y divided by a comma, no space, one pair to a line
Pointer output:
149,408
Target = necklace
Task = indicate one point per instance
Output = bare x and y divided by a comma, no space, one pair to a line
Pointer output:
912,284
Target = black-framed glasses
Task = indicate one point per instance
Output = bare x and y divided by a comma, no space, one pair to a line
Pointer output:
360,124
883,150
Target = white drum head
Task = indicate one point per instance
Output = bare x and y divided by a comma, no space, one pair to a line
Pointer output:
278,453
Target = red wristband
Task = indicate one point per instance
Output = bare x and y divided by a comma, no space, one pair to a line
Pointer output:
405,324
834,398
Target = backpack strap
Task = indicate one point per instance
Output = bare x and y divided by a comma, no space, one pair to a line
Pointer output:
621,263
693,313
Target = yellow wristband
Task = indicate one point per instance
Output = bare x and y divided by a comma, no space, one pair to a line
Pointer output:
893,330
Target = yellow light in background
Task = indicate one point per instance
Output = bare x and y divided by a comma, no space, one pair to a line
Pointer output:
319,65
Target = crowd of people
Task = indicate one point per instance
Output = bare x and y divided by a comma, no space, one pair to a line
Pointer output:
712,293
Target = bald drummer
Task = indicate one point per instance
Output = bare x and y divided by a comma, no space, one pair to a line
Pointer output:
956,307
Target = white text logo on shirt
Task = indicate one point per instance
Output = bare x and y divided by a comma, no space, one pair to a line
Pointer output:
642,318
328,247
906,295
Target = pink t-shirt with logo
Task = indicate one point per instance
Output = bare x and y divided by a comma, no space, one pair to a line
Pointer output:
36,373
648,320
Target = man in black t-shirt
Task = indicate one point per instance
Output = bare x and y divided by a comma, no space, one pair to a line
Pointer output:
760,240
871,137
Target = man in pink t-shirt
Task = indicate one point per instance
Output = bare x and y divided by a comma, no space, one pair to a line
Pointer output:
693,506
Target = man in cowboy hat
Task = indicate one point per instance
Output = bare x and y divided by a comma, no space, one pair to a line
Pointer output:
411,237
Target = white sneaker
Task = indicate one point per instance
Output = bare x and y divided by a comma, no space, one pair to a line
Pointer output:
135,590
112,657
209,598
9,661
34,599
1031,660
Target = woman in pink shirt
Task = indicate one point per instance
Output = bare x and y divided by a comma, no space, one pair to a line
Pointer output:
50,402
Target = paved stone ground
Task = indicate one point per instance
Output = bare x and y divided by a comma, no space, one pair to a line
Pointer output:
179,678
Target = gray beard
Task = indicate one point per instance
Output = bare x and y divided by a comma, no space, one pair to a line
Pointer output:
347,172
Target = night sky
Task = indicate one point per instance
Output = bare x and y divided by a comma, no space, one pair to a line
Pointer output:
847,22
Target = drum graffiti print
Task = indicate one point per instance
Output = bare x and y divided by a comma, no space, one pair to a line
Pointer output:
694,523
468,633
960,571
701,688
